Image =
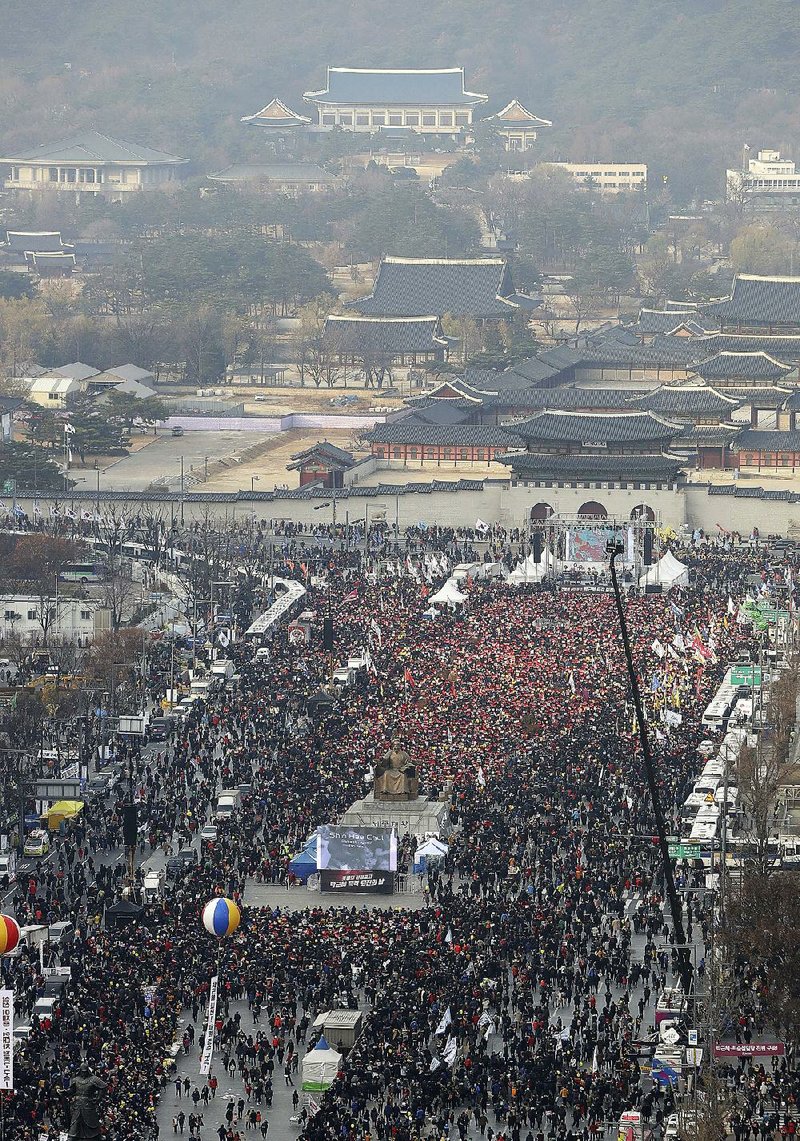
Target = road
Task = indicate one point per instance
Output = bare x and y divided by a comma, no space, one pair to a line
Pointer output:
161,459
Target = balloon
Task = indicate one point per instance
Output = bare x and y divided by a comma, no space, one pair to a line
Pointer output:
9,934
221,917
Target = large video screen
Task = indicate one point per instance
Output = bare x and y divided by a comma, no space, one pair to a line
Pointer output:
348,848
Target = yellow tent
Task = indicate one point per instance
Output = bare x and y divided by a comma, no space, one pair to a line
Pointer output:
62,810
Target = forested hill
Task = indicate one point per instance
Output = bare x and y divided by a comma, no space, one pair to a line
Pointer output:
680,83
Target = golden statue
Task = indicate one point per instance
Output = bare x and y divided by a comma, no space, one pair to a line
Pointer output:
395,776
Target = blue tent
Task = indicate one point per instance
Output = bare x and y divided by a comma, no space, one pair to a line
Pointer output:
304,864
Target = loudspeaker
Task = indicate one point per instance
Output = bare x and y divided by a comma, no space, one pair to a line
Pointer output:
130,823
327,633
537,546
648,548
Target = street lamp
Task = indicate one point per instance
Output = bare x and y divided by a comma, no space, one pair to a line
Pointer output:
253,481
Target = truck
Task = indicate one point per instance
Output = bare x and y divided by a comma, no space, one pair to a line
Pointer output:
154,881
8,867
223,668
227,803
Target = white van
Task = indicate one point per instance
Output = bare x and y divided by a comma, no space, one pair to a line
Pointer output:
153,889
8,866
223,668
227,803
61,933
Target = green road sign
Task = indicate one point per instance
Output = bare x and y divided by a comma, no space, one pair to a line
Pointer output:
746,675
684,851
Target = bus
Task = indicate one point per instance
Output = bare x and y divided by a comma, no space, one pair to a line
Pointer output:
83,572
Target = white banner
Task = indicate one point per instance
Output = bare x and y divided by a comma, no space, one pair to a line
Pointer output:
6,1039
208,1045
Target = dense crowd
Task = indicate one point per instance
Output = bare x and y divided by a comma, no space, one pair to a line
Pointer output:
544,944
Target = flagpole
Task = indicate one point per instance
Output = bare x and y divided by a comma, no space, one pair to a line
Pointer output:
684,964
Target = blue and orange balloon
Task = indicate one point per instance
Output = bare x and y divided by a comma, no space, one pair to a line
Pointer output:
221,917
9,934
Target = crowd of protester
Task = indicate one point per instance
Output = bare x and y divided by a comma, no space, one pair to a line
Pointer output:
516,1002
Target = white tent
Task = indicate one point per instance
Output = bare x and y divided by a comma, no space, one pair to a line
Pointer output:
527,571
430,851
667,572
320,1066
449,594
478,570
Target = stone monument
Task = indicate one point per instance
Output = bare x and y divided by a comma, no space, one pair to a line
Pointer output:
86,1089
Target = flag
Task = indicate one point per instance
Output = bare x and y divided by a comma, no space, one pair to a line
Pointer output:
351,597
480,778
676,610
571,681
731,606
445,1021
657,648
450,1051
376,630
449,936
481,526
408,677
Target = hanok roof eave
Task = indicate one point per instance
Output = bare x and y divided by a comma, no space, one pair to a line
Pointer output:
327,97
288,117
88,147
527,119
579,427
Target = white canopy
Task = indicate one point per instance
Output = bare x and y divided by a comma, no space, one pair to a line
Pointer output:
449,594
437,849
320,1066
527,571
667,572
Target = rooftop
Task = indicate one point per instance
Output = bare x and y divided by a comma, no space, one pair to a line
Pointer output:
356,334
515,115
751,366
758,300
465,287
273,172
596,430
686,400
395,86
413,430
338,458
276,114
528,465
93,147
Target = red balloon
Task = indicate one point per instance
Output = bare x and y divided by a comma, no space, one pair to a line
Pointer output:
9,934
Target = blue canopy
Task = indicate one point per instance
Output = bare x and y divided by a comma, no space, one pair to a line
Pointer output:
304,864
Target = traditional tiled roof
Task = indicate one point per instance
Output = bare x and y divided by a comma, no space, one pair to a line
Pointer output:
35,241
758,300
759,439
792,403
514,115
266,172
782,347
686,400
355,334
366,87
454,389
444,412
664,352
660,468
603,428
76,370
338,458
465,287
660,320
411,430
708,435
276,114
747,366
93,147
770,397
579,399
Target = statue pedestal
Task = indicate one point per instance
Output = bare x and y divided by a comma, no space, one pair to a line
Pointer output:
420,817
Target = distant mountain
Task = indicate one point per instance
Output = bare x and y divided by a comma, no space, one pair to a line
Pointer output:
680,84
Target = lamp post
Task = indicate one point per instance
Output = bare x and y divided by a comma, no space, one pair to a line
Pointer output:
182,491
615,547
253,481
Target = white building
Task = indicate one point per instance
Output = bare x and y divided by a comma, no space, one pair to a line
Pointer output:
607,177
768,178
69,619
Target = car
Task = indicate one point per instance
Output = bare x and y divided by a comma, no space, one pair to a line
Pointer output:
179,864
37,843
177,430
160,728
44,1008
208,833
98,787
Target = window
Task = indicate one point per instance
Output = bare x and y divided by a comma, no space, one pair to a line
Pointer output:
346,119
32,615
412,118
398,453
378,119
481,454
52,174
462,119
11,615
72,175
362,119
52,396
395,119
429,119
430,453
329,120
86,615
463,454
445,118
412,453
447,453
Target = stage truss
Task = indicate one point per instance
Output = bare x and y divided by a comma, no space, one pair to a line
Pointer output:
573,542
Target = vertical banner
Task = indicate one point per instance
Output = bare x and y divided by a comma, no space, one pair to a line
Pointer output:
208,1045
6,1039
